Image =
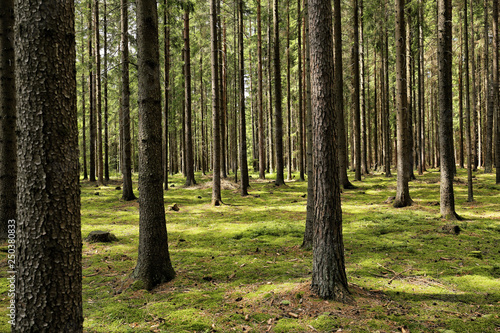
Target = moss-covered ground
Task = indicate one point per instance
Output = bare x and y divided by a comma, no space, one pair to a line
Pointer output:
240,267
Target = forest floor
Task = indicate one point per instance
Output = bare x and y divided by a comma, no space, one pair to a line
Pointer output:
240,267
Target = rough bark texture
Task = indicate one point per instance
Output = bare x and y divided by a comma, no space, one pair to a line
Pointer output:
470,193
262,148
300,92
153,262
339,98
49,243
98,109
166,92
402,193
488,134
8,140
243,129
216,187
188,137
495,86
447,203
328,277
126,154
278,110
92,122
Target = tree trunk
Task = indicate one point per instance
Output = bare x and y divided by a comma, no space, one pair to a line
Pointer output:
8,139
474,133
153,261
50,282
106,129
84,130
223,112
329,279
356,92
98,109
278,111
126,163
447,203
362,103
243,130
470,194
262,147
188,136
288,97
92,122
216,160
402,193
339,100
166,91
495,89
488,135
385,111
300,93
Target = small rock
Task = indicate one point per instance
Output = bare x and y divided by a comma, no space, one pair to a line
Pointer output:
256,196
118,188
303,195
96,193
199,197
173,185
239,299
174,207
98,236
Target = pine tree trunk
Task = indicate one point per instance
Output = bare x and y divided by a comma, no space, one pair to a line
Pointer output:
474,133
49,279
300,93
288,97
106,130
402,193
339,100
385,111
495,89
8,139
488,135
216,160
329,279
447,202
98,110
470,194
92,124
166,91
243,130
153,261
262,147
356,92
126,163
188,136
278,111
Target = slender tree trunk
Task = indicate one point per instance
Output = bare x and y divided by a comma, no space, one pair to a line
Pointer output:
300,93
288,97
98,110
356,92
488,144
421,102
362,103
403,192
385,112
473,92
166,93
92,125
470,194
329,279
339,99
153,261
106,129
278,111
447,202
495,89
222,72
84,130
188,136
243,130
262,147
49,279
216,160
126,163
8,138
310,214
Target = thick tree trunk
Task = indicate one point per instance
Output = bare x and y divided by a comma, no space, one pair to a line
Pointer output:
8,139
188,136
243,130
402,193
447,202
216,161
329,279
49,279
126,163
153,262
262,147
278,111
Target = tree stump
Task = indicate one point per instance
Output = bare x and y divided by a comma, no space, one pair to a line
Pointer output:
98,236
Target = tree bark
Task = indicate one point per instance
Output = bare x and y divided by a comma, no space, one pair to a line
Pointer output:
8,138
105,77
474,133
278,111
92,121
300,93
488,135
98,109
356,92
470,194
49,279
243,130
288,97
126,163
329,279
188,136
153,262
216,161
447,202
402,192
339,98
166,91
495,89
262,147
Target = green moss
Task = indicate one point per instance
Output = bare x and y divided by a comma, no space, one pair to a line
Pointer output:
287,325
